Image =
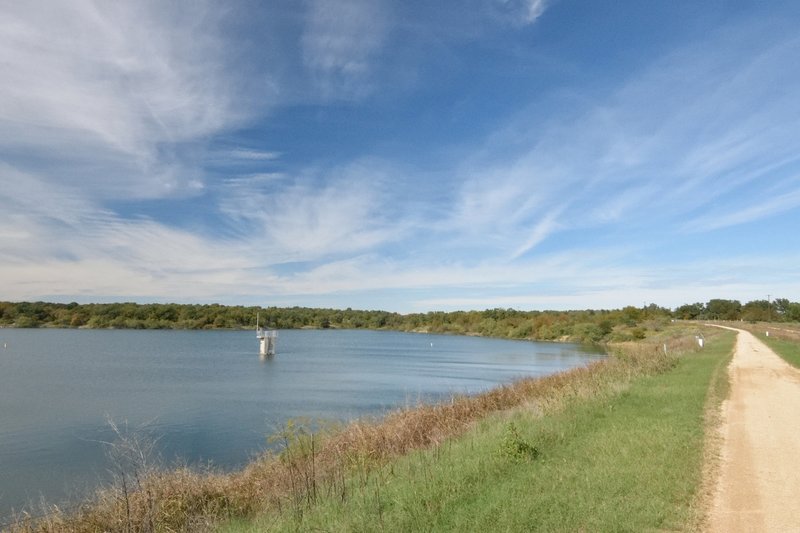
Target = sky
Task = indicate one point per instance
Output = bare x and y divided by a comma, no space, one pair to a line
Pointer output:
407,155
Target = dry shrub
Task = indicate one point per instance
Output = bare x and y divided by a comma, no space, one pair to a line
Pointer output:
185,499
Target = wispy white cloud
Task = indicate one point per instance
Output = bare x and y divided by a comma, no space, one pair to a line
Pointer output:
532,10
616,205
576,279
508,207
247,183
59,224
522,12
373,272
535,10
620,160
598,283
708,133
108,94
254,155
340,218
769,206
318,214
340,43
544,227
679,136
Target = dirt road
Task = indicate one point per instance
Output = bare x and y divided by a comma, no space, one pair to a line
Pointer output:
758,488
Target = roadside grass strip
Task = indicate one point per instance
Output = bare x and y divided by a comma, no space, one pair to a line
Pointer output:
789,350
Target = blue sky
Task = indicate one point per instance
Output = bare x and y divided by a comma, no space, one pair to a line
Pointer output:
407,156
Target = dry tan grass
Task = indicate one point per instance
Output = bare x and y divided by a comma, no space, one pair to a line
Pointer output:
789,331
185,499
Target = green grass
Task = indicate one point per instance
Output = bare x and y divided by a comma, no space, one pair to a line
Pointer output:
624,460
788,350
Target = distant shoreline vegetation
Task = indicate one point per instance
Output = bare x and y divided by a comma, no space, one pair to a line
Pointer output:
588,326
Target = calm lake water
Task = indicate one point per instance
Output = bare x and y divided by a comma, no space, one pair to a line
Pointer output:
207,396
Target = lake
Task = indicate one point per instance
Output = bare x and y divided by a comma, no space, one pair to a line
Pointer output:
207,396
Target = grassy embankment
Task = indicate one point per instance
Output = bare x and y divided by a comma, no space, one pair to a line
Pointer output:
784,342
614,446
626,457
789,350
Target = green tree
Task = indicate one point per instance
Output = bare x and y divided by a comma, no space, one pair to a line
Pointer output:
26,321
719,309
757,311
690,311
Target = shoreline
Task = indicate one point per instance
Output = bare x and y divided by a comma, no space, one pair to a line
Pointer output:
410,429
250,426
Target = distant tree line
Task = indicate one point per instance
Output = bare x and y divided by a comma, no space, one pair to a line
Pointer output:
778,310
589,326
